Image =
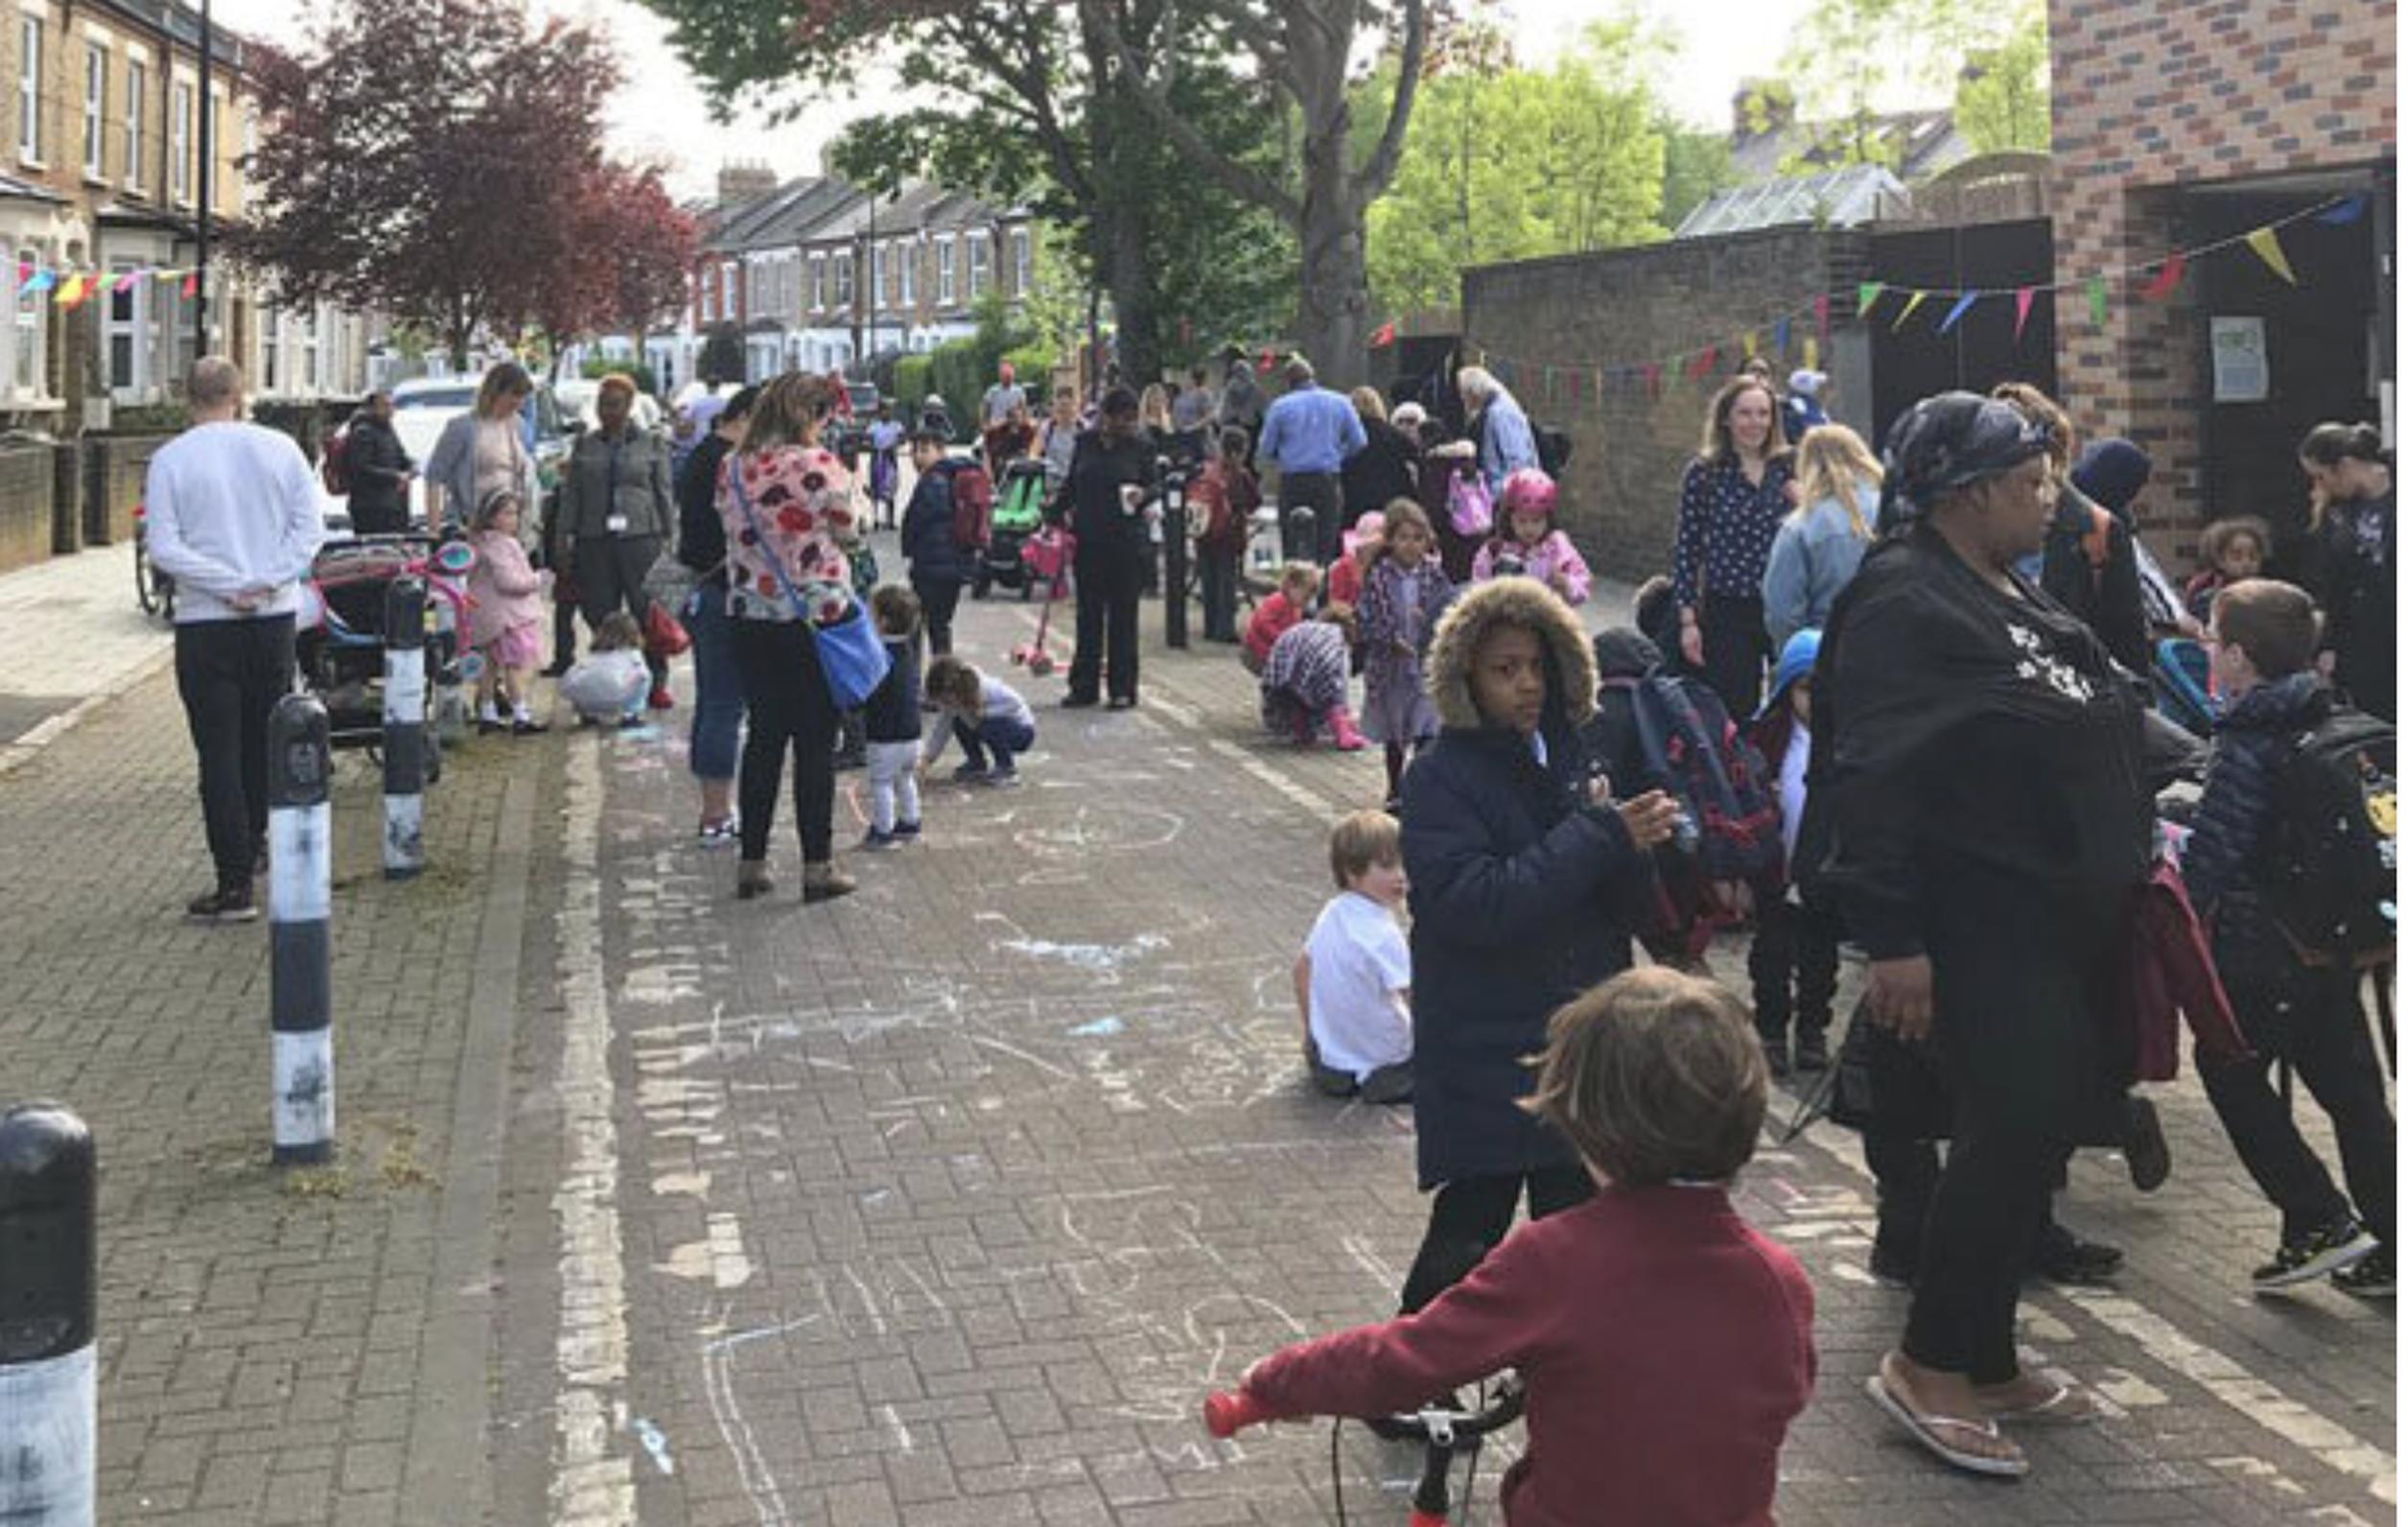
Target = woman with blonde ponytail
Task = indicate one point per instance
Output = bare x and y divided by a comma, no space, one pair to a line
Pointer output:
1816,549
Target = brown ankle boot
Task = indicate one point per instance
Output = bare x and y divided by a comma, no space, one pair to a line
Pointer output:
752,879
824,883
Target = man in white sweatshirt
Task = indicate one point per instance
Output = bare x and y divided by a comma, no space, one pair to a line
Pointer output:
234,514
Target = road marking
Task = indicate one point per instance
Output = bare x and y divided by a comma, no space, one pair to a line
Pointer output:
591,1486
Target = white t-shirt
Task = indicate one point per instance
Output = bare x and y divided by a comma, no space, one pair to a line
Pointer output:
233,506
1794,788
1359,964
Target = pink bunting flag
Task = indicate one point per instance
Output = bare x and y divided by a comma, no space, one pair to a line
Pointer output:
1822,316
2023,310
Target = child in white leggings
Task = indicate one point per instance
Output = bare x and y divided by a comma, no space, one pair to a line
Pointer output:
891,719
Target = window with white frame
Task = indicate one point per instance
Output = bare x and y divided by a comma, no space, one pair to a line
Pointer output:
945,271
981,266
137,92
728,289
29,89
1023,262
179,142
819,283
95,111
27,360
309,326
908,254
844,283
878,276
122,334
270,348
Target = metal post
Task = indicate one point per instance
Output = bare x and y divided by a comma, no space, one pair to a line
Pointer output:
1174,556
404,727
49,1309
300,896
208,152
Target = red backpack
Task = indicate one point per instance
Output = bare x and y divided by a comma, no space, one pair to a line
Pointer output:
973,505
1719,777
335,469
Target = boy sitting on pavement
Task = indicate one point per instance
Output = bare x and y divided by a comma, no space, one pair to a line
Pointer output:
985,715
2293,1003
1354,980
1666,1345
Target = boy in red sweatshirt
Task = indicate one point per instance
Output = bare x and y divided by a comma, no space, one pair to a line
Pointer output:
1665,1346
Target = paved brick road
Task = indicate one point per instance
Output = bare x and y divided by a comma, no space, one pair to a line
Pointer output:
942,1205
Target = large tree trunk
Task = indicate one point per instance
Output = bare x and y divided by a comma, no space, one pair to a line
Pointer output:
1333,306
1135,313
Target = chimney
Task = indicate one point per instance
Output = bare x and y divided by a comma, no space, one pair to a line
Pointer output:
743,182
1761,106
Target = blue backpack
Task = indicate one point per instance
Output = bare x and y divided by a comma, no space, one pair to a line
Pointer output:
1688,739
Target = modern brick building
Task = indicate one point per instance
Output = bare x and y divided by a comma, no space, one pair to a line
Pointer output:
2180,123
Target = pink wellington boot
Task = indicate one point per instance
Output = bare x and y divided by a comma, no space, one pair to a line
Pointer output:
1342,733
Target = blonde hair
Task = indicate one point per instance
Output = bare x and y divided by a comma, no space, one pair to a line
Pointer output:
1654,1076
616,382
1154,407
1834,463
506,379
1360,840
1301,575
1368,405
789,410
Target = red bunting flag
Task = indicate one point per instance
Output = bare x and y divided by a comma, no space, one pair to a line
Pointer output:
2170,276
1654,374
2023,310
1383,335
1822,316
192,284
1703,366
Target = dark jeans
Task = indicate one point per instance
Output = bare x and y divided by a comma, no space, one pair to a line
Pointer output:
718,687
788,708
1736,645
1005,739
1983,1220
1790,937
564,634
378,514
610,576
230,674
1217,570
1316,491
1108,580
1905,1168
1471,1215
2312,1019
938,598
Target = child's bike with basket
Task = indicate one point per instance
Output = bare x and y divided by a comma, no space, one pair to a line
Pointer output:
1444,1434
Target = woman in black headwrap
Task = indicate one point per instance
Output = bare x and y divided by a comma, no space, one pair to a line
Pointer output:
1988,825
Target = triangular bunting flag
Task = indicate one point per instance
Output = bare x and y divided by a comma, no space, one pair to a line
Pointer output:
1654,375
1822,316
1868,292
1381,338
72,293
126,282
1957,311
2349,211
2170,276
1781,338
2270,249
1909,311
191,288
1747,342
2023,310
1814,353
2097,288
42,281
1703,366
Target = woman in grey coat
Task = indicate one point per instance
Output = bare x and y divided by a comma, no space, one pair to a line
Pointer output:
617,513
483,452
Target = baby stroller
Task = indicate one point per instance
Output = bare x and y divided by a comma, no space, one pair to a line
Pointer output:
1020,511
340,646
2180,679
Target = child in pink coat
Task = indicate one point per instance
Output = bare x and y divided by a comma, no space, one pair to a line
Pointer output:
506,616
1526,543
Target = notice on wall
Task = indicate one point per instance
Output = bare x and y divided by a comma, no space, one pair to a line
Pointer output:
2239,347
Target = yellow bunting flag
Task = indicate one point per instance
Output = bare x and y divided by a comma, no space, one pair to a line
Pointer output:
2270,249
1814,354
72,291
1909,311
1747,342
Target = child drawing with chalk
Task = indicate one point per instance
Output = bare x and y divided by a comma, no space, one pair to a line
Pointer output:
608,685
1354,980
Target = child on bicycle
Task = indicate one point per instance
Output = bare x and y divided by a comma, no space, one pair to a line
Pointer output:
1666,1345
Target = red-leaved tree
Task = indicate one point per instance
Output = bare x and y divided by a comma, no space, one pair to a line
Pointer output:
619,253
428,157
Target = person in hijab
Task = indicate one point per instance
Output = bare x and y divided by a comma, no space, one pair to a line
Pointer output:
1988,828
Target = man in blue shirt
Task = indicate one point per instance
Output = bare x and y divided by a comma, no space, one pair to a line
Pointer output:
1310,431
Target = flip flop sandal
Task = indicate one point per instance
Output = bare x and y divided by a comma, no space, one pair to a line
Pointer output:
1927,1431
2065,1406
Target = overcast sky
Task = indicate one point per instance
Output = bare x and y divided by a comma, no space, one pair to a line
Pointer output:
660,115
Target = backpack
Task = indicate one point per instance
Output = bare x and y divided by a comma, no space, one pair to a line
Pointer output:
1469,509
2332,843
973,505
334,471
1554,449
1687,739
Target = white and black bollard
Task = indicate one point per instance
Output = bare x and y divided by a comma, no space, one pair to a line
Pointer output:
405,728
300,898
49,1306
1173,554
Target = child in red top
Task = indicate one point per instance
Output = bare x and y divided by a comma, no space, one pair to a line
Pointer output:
1361,548
1299,583
1665,1346
1228,495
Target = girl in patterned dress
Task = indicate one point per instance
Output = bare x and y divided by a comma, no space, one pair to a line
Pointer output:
1403,596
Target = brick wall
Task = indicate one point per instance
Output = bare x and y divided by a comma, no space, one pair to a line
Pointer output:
1621,490
114,466
26,531
2155,94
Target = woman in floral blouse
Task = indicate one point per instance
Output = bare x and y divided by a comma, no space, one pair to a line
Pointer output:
1731,501
787,506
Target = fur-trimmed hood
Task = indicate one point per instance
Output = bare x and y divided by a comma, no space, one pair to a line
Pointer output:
1509,601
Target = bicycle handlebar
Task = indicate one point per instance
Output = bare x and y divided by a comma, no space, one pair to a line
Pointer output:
1231,1411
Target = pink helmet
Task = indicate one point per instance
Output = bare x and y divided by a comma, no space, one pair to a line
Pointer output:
1529,491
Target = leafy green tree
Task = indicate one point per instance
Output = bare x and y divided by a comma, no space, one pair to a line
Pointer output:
2002,99
1849,60
1696,164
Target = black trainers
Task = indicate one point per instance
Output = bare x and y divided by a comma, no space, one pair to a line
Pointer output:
1776,1056
229,903
2145,1153
1813,1051
2064,1257
2369,1277
2324,1249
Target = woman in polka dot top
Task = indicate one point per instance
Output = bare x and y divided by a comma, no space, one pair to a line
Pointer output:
1731,501
787,503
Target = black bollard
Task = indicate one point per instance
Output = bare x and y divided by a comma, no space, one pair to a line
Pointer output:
1174,556
300,898
405,728
49,1309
